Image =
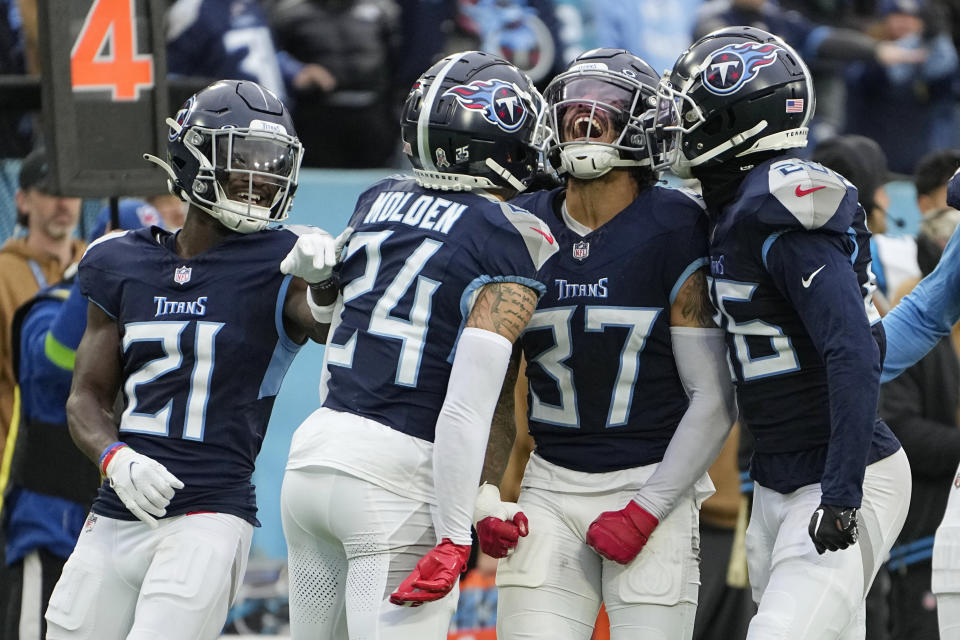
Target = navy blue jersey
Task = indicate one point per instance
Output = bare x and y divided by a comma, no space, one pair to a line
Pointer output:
204,353
413,265
790,263
604,392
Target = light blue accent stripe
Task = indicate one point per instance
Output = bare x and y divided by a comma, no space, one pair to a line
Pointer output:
856,247
693,266
767,244
283,353
102,308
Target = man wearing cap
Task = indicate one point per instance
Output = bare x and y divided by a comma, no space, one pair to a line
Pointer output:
44,507
33,262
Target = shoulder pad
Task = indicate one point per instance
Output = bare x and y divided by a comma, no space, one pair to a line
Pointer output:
691,195
810,194
113,235
535,232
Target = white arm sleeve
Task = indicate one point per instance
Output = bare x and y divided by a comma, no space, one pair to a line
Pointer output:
463,427
701,357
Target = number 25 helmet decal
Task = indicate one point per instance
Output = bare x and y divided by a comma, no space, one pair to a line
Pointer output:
473,120
735,92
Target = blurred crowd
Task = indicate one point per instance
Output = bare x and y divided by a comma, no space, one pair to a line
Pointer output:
886,69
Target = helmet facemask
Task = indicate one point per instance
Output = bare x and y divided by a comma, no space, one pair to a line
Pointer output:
247,176
600,120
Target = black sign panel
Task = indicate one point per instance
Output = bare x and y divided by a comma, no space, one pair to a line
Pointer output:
104,95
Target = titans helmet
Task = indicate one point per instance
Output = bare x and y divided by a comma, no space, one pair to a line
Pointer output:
473,120
232,151
735,92
601,112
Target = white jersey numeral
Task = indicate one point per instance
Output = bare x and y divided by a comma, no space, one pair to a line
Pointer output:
413,332
168,333
639,322
784,357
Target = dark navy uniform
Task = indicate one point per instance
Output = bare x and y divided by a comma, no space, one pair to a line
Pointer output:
414,263
607,312
204,353
790,261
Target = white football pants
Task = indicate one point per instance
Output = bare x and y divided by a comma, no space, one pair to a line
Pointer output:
552,585
803,595
946,566
350,543
126,580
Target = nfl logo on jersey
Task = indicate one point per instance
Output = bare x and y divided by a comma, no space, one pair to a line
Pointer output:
182,275
581,250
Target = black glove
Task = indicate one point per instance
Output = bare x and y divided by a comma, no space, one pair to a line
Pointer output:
833,528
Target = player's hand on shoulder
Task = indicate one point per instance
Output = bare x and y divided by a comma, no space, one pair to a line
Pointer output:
500,525
143,485
833,528
621,535
434,576
314,255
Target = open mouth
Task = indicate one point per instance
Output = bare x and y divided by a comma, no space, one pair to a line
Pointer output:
585,127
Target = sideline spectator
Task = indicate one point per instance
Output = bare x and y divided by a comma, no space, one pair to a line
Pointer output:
45,505
349,121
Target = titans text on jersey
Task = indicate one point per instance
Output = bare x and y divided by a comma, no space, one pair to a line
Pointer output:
607,311
198,409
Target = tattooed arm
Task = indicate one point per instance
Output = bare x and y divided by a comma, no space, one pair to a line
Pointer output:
503,429
500,313
700,353
692,306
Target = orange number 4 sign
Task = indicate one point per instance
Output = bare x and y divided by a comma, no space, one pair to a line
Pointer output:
105,56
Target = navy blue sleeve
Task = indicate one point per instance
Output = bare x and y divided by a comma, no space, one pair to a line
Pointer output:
99,280
813,271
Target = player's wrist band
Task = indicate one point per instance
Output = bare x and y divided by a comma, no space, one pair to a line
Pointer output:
324,285
108,454
321,313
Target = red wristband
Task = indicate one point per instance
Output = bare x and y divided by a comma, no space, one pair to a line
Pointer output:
108,454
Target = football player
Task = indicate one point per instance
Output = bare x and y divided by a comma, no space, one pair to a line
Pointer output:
790,276
623,334
197,329
437,282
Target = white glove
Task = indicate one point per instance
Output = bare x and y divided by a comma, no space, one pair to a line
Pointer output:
315,255
143,485
499,525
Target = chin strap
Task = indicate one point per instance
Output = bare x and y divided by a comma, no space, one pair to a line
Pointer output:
590,161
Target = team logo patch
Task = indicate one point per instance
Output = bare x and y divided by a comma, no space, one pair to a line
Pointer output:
182,275
91,520
581,250
441,158
181,118
732,66
498,102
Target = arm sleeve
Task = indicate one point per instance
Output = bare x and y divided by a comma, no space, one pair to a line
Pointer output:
925,315
463,427
832,311
701,356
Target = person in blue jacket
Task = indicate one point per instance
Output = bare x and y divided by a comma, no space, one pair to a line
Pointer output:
45,504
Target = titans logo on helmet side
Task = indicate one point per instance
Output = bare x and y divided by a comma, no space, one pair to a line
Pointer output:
181,118
498,101
730,67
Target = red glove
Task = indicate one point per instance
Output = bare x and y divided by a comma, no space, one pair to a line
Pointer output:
499,537
500,525
620,535
434,576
